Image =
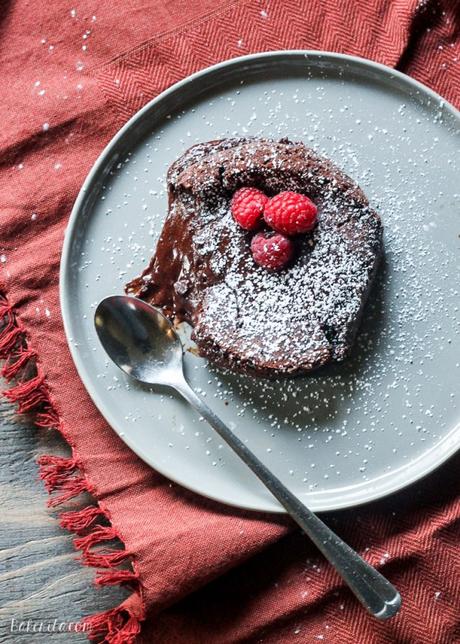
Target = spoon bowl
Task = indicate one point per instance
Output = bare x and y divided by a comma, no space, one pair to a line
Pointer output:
139,339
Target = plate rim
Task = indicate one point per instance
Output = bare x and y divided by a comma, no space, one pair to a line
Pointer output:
450,442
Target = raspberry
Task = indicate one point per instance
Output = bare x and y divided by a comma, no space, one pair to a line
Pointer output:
290,213
247,207
273,251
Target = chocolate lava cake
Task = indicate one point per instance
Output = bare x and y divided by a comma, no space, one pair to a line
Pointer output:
245,317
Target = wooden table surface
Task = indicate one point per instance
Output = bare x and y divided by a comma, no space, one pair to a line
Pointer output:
41,578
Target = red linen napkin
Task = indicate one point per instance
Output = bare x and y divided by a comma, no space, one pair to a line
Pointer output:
199,571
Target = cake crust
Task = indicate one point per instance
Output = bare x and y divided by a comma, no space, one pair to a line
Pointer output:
244,317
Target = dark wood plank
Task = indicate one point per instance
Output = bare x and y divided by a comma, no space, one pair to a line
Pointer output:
41,578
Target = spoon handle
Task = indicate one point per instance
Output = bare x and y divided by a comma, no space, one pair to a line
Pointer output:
375,592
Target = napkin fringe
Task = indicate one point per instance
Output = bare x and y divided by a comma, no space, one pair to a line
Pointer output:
79,520
118,626
100,558
64,476
115,577
55,470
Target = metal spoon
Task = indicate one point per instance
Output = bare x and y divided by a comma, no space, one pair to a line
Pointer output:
144,344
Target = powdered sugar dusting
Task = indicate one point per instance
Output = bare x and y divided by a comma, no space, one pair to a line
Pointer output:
245,316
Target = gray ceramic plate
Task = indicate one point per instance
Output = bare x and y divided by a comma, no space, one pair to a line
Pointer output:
349,434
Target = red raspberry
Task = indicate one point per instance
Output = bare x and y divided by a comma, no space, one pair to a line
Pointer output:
247,207
290,213
273,251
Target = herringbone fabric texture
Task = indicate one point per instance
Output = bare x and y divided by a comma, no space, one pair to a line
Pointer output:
200,572
382,31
